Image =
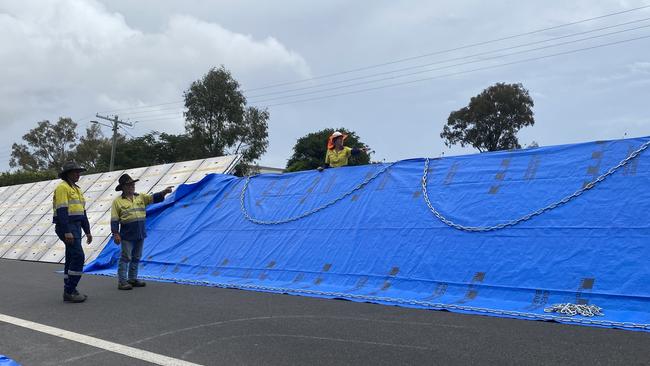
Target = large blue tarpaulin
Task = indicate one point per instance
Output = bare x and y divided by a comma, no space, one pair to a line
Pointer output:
380,242
6,361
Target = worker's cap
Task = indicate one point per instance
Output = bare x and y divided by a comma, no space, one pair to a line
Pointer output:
124,180
337,134
70,166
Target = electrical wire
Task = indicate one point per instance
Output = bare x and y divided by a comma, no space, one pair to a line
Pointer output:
471,56
161,117
451,49
408,58
438,68
460,72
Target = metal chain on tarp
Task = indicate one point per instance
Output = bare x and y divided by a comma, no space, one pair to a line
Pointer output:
553,205
310,212
570,309
400,301
440,216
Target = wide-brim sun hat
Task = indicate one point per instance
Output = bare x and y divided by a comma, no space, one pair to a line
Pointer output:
70,166
125,179
330,140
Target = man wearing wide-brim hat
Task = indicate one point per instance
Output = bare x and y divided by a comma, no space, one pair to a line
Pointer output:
128,215
69,220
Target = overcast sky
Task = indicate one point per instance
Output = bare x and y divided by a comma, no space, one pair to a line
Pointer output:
74,58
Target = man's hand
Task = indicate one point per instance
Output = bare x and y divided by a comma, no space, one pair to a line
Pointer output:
117,239
167,190
89,238
68,238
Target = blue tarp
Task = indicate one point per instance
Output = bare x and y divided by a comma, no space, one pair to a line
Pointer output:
6,361
381,243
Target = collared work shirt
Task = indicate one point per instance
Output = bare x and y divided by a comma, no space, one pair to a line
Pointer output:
128,216
337,158
69,207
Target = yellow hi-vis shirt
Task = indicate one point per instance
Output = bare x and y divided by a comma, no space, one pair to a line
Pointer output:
336,158
69,206
128,216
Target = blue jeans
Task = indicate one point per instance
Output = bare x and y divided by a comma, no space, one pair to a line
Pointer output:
74,257
129,260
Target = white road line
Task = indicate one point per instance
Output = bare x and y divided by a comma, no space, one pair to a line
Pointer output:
97,343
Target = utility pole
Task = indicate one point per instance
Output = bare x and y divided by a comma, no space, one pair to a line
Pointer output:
116,124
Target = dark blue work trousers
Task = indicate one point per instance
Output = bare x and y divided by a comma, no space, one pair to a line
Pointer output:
74,257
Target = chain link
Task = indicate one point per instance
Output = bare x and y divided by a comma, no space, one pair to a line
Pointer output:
310,212
553,205
570,309
425,196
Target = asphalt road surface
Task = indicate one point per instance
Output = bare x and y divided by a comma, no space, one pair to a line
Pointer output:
180,324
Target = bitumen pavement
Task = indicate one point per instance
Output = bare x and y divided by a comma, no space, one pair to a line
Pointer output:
214,326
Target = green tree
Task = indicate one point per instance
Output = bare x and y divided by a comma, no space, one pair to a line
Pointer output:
174,148
309,151
131,153
492,119
92,149
22,177
46,147
219,121
150,149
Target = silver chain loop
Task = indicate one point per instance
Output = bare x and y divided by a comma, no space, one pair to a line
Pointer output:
553,205
440,216
248,217
570,309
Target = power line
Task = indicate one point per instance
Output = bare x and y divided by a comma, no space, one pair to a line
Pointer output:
144,116
159,117
145,106
156,115
450,49
116,124
458,58
150,111
448,66
127,132
146,113
460,72
79,120
406,59
162,119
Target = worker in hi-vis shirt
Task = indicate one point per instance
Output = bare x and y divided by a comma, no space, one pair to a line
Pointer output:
70,219
337,153
128,216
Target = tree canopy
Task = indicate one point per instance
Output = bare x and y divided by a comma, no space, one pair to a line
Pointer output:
492,119
219,121
309,151
46,147
152,148
93,149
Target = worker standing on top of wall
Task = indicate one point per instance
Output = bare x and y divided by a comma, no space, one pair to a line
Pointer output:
337,154
128,215
69,219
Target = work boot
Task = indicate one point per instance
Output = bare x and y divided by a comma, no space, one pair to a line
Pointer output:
137,283
74,297
124,286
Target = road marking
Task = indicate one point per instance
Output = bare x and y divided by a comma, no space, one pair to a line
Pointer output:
97,343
